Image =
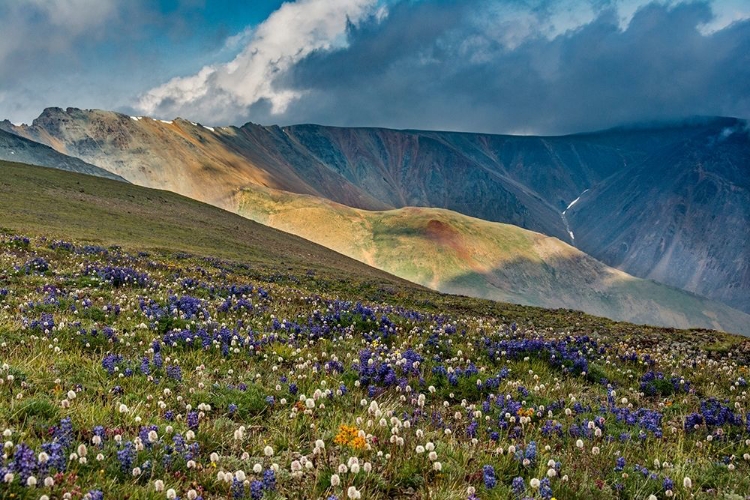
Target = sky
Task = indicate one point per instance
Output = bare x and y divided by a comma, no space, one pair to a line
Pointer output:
497,66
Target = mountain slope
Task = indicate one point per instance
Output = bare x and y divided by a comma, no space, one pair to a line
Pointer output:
18,149
207,164
518,180
454,253
682,217
36,200
526,181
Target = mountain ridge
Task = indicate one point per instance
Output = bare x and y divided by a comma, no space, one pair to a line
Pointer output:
527,181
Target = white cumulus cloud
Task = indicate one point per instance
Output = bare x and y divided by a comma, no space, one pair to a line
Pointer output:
219,93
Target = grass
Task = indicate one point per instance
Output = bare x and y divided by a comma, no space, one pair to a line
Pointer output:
225,354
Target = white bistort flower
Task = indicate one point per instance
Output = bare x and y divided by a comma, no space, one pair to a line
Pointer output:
353,493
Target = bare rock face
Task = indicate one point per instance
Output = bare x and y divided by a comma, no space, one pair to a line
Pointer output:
666,202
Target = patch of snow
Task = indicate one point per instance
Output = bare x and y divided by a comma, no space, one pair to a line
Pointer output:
194,124
565,219
208,128
136,118
168,122
574,202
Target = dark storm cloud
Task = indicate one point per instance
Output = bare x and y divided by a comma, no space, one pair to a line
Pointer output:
438,65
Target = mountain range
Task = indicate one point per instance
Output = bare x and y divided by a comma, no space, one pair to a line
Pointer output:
664,202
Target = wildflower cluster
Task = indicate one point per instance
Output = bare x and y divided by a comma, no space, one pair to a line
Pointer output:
351,436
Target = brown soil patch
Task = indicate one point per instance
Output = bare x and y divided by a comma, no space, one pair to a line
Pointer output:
445,235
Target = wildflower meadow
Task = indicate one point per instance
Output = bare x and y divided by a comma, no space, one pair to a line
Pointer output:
155,374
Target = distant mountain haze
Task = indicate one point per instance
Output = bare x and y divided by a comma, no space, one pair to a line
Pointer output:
668,202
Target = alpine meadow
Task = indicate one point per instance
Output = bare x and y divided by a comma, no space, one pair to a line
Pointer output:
374,249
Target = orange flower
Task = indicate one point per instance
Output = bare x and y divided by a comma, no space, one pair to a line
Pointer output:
358,443
349,436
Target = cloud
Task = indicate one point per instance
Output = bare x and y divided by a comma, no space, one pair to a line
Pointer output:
30,26
285,38
39,38
100,53
660,66
524,67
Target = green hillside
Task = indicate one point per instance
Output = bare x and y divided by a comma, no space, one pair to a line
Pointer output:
37,201
431,247
454,253
43,201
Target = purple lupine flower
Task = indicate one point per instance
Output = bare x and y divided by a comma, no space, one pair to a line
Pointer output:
488,475
144,432
126,456
174,372
269,479
545,489
24,462
238,489
110,361
58,458
192,420
99,431
64,432
471,430
256,490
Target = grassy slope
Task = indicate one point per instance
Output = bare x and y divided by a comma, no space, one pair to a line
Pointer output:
453,253
36,200
43,201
